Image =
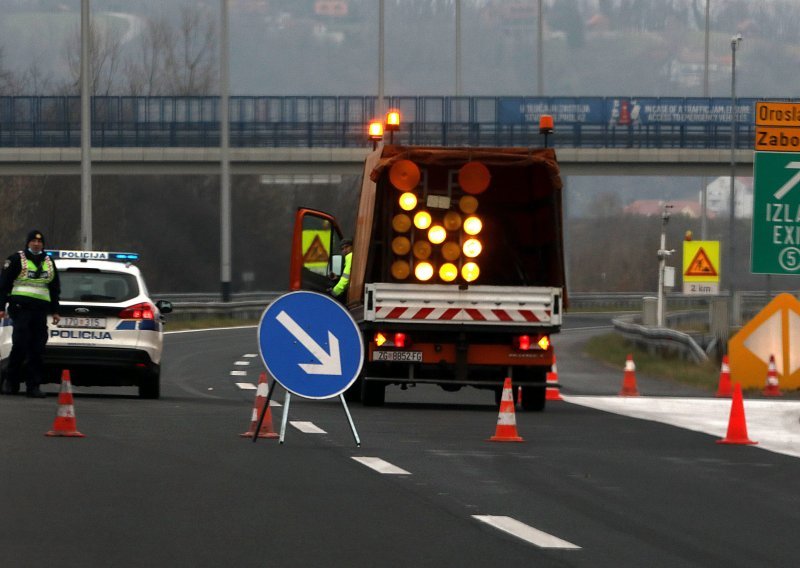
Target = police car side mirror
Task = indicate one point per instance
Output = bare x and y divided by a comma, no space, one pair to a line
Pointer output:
164,306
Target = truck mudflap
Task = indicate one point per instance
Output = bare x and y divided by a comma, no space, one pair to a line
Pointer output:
480,305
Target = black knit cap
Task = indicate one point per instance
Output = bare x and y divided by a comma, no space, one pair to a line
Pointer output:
35,234
346,243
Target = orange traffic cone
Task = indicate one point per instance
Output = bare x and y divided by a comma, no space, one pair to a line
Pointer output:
553,389
737,426
724,388
266,430
772,388
64,424
629,379
506,420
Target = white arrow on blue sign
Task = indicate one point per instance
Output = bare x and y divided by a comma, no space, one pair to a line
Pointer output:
310,344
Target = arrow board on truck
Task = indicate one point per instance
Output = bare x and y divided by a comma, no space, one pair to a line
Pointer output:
310,344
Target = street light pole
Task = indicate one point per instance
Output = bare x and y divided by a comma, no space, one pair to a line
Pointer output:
735,41
86,131
663,253
224,151
703,180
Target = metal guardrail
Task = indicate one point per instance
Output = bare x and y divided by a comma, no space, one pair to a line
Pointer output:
340,122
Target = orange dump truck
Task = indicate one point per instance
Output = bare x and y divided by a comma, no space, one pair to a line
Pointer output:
457,275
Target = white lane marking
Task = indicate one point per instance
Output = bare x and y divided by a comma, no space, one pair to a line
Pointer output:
247,386
381,466
242,363
527,533
771,423
307,427
238,373
250,355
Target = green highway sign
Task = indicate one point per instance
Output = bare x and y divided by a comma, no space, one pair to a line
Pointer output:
776,213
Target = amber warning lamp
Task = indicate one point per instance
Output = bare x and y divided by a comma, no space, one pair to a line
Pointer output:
545,126
375,132
392,123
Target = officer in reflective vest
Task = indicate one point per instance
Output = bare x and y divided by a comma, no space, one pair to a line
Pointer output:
29,285
340,290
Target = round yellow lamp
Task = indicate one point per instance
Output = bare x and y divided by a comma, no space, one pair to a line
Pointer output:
401,245
470,272
437,234
401,223
468,204
422,249
408,201
452,221
423,271
400,269
448,272
472,225
422,220
472,248
451,251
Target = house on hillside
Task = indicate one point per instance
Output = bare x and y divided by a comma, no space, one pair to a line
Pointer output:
718,197
654,207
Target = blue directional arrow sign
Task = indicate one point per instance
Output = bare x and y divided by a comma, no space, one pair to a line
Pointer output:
310,344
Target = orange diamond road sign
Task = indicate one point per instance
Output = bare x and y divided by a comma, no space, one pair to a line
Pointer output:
775,330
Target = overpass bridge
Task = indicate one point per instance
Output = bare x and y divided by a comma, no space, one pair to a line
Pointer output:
320,135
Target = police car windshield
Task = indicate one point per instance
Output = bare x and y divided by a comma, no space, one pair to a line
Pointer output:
88,285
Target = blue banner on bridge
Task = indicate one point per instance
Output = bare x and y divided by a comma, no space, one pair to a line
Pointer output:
624,111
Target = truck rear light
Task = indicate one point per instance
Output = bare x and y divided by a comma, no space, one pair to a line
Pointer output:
422,220
472,225
398,339
408,201
527,342
451,251
472,248
437,234
400,269
143,311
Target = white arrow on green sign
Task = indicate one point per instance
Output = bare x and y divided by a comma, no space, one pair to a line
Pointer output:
776,213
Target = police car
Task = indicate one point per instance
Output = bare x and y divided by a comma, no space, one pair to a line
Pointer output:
110,333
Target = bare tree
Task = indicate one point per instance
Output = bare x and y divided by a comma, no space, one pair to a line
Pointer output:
192,65
145,72
105,50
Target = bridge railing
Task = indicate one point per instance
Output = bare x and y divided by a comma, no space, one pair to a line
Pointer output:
321,121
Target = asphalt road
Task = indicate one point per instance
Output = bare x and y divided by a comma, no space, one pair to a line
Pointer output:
171,483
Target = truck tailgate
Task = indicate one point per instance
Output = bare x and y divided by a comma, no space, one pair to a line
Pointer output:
483,305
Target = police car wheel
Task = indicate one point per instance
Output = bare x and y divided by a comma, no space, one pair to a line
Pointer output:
150,385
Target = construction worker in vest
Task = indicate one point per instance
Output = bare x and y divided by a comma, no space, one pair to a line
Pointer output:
29,286
340,290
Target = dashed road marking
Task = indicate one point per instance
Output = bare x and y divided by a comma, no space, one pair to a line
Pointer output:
381,466
250,355
238,373
307,427
246,386
527,533
242,363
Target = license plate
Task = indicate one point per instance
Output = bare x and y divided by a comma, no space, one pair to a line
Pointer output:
93,323
410,356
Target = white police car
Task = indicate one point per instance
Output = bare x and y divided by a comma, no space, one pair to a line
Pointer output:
110,333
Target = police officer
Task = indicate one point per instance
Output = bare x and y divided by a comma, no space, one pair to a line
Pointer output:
29,285
340,290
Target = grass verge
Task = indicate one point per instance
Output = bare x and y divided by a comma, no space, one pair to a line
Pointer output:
612,348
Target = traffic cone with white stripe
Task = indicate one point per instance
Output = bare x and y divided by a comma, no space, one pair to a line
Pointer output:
553,389
629,379
266,430
771,388
65,424
506,420
724,388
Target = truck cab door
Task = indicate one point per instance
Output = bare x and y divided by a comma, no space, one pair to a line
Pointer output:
315,260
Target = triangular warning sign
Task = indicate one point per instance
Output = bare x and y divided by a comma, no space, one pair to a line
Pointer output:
315,252
700,265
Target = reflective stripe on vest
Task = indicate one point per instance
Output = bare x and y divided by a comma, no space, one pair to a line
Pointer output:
32,287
